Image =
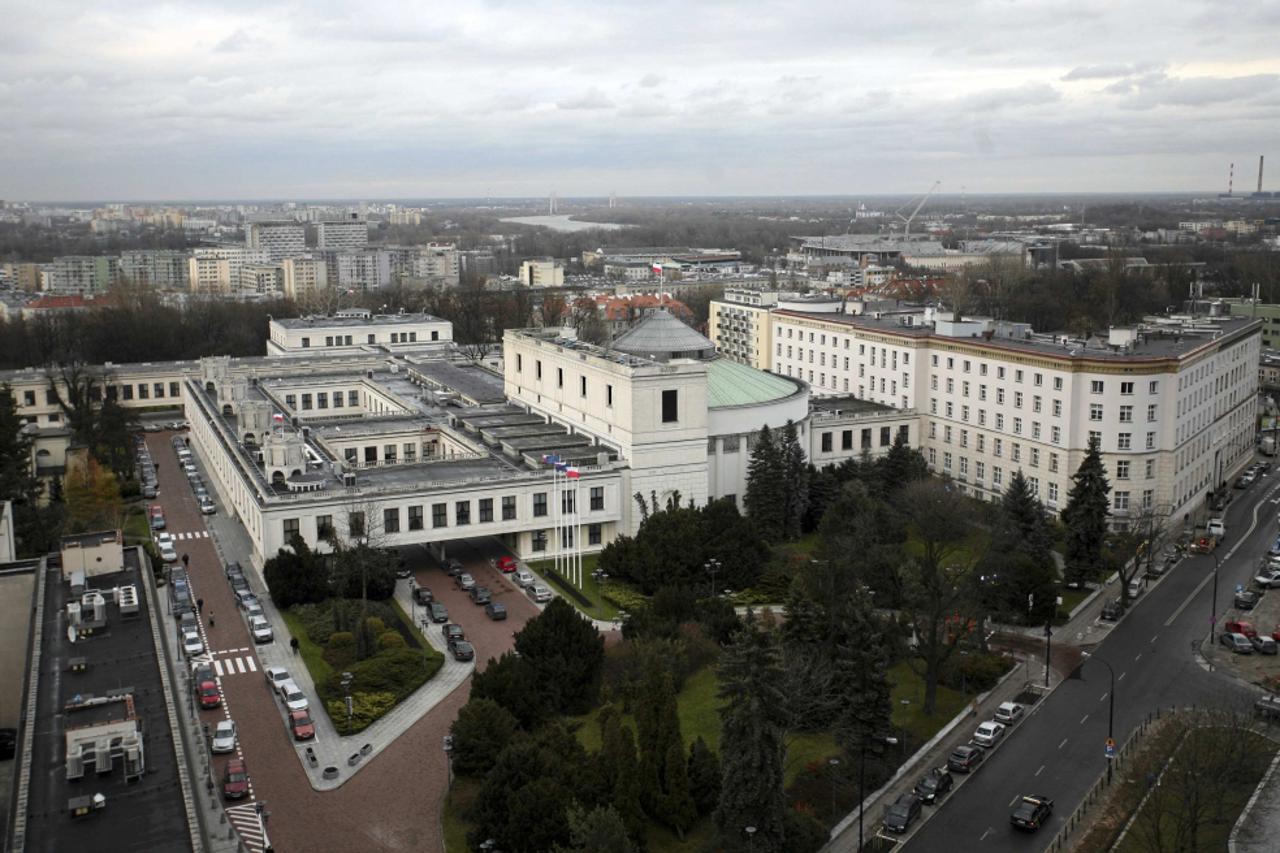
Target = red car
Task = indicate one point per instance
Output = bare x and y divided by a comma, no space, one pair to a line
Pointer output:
507,564
1234,627
235,780
210,695
301,726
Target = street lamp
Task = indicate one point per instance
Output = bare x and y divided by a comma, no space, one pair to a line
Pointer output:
1111,711
835,763
448,754
1213,602
751,837
862,775
712,566
347,678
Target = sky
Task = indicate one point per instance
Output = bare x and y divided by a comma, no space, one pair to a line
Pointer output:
254,99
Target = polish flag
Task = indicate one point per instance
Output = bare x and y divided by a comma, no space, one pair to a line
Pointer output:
571,472
278,418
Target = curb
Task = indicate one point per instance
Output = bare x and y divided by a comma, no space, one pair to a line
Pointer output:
1257,792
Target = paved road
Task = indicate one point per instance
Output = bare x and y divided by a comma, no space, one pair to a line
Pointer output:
393,803
1059,750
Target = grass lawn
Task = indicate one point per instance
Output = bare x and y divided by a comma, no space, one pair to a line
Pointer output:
136,527
1072,597
910,715
966,553
599,608
312,655
459,800
805,546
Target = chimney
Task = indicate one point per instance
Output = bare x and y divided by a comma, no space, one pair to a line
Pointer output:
1260,159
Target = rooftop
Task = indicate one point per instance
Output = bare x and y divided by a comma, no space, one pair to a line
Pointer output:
662,336
732,384
314,322
869,244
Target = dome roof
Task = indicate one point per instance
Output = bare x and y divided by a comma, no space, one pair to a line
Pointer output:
661,336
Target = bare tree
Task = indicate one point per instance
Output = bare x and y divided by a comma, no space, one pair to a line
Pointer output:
1132,551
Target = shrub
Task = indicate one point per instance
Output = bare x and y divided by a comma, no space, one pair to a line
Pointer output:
130,489
391,640
976,672
623,597
365,709
340,651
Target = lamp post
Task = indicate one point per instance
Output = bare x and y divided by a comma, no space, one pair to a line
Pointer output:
751,837
1111,711
1213,601
448,754
862,775
834,763
712,566
347,678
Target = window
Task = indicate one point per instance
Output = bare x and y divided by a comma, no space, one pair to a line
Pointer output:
353,398
1017,426
29,398
439,515
337,399
1095,411
1095,386
371,455
324,526
1126,389
389,453
143,391
997,446
964,438
415,518
979,471
350,454
1057,383
173,389
593,534
999,421
540,540
462,512
519,363
410,451
322,400
982,442
1000,395
964,466
1148,498
826,442
1126,414
1017,399
1035,429
1017,376
306,342
1094,435
1015,451
559,377
1122,469
508,507
355,524
997,475
1153,388
1035,403
1151,441
486,510
951,386
539,504
1124,441
1151,413
886,436
1121,503
306,401
946,462
391,520
291,529
982,392
670,406
846,440
964,413
946,434
1039,379
1035,457
568,504
933,430
999,373
597,498
1053,492
1057,408
128,393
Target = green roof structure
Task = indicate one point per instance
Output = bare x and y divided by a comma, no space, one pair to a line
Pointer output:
732,384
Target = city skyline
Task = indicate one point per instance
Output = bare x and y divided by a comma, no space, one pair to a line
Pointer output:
179,101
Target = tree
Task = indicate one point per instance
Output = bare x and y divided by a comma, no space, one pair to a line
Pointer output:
794,483
1085,517
93,497
36,528
859,539
1019,577
1130,551
482,730
752,724
1025,514
938,580
862,681
600,830
296,575
704,776
657,727
565,653
764,499
903,464
512,683
617,758
678,808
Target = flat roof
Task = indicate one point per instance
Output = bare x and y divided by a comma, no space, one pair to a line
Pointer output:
732,384
472,381
146,815
847,406
351,322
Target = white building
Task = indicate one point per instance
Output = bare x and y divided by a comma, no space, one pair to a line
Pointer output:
355,330
364,270
542,272
162,269
217,269
280,239
303,276
260,280
344,235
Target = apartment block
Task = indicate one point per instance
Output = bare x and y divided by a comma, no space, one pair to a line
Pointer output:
303,276
344,235
279,239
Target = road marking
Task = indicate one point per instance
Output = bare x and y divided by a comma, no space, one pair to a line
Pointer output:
1138,658
1082,719
1041,770
1104,696
985,834
240,665
217,668
1064,743
249,662
1122,675
1153,639
1013,802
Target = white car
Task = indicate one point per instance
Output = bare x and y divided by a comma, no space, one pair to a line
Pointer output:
224,737
260,628
1216,527
293,697
988,734
276,675
164,542
1009,713
1268,579
524,578
539,593
192,644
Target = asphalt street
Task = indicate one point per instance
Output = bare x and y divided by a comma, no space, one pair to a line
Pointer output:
1059,751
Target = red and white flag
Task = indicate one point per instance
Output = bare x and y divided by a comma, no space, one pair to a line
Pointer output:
571,472
278,418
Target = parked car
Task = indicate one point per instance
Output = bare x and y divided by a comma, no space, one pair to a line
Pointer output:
463,651
1216,527
1238,643
464,581
1246,599
452,632
301,726
439,613
224,737
244,596
539,593
988,734
210,695
202,671
1156,569
507,564
253,610
1274,550
1263,645
235,780
1236,626
1112,610
1031,813
260,628
479,595
1268,578
496,611
453,566
934,785
965,758
149,489
207,506
234,570
293,697
422,595
1009,713
187,623
1135,588
276,675
899,816
157,518
402,567
524,578
192,644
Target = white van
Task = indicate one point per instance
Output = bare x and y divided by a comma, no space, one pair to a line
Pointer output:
1216,527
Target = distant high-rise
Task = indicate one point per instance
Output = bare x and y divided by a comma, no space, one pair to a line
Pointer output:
279,239
303,276
344,235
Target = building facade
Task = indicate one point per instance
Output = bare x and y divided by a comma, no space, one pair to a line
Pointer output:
84,274
542,272
279,239
355,330
343,235
303,276
162,269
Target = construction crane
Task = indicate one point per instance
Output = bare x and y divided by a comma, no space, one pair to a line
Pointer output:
907,220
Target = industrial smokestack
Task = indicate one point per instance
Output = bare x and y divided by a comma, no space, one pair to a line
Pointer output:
1260,159
1231,178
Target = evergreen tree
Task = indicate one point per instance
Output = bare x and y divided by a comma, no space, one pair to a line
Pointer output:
764,500
626,786
903,464
752,748
657,723
566,653
795,482
1085,517
678,808
600,830
1024,512
704,776
36,528
482,730
296,575
862,681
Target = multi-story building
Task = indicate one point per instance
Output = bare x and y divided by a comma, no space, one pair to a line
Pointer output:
364,270
303,276
1268,313
355,330
739,325
162,269
85,274
343,235
21,276
436,264
260,280
1172,402
217,269
280,239
542,272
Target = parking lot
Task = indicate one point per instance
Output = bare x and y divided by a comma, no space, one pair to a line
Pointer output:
1265,619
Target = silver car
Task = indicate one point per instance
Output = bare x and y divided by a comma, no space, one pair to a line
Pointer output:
539,593
224,737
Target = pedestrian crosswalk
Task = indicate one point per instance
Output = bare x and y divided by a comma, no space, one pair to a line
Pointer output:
194,534
249,826
234,665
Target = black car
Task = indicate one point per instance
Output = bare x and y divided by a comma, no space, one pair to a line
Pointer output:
453,566
480,594
1246,599
1112,610
934,785
451,632
1031,813
496,611
438,612
462,650
905,809
965,759
422,595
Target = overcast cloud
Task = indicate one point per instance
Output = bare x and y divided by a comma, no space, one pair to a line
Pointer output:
321,99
